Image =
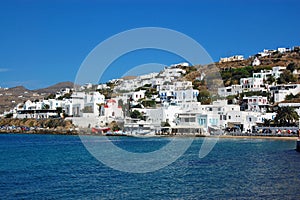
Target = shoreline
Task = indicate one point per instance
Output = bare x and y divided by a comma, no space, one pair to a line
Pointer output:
78,133
257,137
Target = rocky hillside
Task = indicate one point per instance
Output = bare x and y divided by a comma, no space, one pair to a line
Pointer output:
276,59
41,123
10,97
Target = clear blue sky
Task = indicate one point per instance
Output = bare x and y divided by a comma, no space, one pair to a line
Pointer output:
45,42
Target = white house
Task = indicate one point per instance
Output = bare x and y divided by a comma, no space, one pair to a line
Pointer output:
256,62
179,96
256,103
276,71
283,49
230,90
172,72
251,83
112,109
279,92
138,95
232,58
82,104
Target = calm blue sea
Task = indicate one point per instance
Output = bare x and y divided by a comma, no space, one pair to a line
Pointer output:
59,167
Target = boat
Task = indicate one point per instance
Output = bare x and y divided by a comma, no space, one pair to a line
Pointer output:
100,130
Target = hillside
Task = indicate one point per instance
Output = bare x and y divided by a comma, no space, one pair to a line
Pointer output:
55,88
276,59
10,97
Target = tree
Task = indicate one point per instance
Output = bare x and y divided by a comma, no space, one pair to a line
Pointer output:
291,67
270,80
204,97
286,116
136,115
267,122
286,77
165,124
45,107
50,96
114,126
149,103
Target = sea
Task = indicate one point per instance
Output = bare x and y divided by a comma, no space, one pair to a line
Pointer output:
60,167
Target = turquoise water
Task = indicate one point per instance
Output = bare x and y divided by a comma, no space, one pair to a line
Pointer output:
59,167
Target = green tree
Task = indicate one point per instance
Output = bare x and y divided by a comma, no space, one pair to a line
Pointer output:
267,122
165,124
50,96
270,80
114,126
291,67
286,116
45,107
286,77
136,115
204,97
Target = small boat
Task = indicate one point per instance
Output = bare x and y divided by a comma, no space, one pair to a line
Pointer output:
116,133
100,130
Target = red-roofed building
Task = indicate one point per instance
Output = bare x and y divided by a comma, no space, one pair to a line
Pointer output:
111,109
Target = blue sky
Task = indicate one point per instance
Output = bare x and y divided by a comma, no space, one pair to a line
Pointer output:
45,42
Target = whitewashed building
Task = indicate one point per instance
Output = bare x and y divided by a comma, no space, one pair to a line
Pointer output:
256,103
279,92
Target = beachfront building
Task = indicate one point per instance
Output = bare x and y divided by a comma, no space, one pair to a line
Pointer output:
37,109
218,116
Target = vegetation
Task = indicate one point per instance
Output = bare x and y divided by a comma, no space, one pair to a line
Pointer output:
106,92
136,115
65,96
114,126
165,124
149,103
9,115
45,107
291,97
204,97
233,76
198,84
286,77
286,116
188,69
255,93
50,96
